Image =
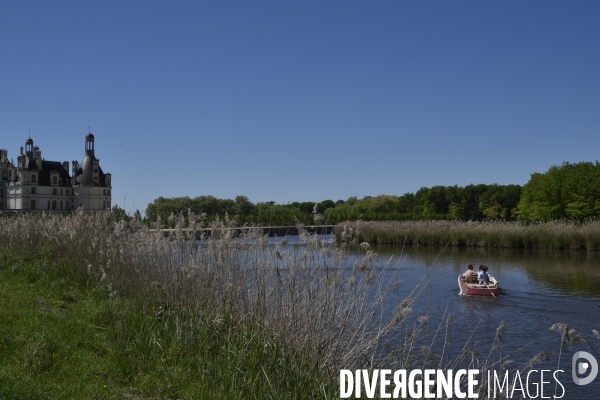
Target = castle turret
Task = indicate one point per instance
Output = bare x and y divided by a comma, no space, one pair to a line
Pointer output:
29,148
89,144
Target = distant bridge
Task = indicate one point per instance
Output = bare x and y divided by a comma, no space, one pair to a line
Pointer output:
271,231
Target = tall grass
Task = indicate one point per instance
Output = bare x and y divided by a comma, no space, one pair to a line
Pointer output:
550,235
305,298
305,303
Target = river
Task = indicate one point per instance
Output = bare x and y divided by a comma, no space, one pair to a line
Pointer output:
540,288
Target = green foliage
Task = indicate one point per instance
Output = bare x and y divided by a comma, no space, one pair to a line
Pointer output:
242,209
473,202
118,213
567,191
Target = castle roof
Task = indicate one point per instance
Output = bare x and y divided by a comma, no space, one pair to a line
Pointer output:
85,173
49,166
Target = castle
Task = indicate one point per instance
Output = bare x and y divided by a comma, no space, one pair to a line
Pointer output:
36,185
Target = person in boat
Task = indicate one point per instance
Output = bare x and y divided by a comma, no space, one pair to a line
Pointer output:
483,276
470,275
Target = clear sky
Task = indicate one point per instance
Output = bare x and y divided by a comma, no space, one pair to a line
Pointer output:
302,101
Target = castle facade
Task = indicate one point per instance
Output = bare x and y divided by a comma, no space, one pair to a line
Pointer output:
35,184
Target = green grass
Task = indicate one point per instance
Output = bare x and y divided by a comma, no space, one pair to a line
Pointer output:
64,335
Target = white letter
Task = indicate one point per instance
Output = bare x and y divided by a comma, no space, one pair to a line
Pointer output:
344,394
383,383
459,394
444,384
429,382
557,381
370,384
357,384
535,384
542,384
412,383
512,393
472,383
400,384
504,382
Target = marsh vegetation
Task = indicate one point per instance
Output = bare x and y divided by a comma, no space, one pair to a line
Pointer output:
228,316
550,235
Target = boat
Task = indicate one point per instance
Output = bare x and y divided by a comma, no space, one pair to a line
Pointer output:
492,289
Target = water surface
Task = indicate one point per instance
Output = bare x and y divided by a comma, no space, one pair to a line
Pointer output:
540,288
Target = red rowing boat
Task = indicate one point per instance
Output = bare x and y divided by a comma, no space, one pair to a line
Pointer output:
492,289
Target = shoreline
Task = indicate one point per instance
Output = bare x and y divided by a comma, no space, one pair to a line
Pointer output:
551,235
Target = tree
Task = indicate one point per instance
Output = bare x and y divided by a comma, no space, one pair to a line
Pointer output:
565,191
119,213
243,205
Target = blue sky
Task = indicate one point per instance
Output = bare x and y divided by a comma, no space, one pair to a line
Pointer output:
302,101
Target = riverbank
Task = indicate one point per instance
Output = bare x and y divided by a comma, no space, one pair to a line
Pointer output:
91,301
64,335
95,308
552,235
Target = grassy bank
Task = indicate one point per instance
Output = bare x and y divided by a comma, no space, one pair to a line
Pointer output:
63,335
95,308
228,317
552,235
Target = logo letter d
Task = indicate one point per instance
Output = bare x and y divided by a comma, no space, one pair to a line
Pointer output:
592,362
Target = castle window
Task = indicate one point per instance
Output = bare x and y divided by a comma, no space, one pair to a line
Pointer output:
61,204
33,178
33,190
33,204
54,204
104,205
55,180
61,192
54,191
48,204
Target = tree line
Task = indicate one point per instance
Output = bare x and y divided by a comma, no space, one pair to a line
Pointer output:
244,211
473,202
568,191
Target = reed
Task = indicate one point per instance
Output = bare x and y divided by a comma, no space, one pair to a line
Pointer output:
181,304
550,235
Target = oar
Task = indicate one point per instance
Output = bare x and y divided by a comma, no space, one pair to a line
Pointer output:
486,285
